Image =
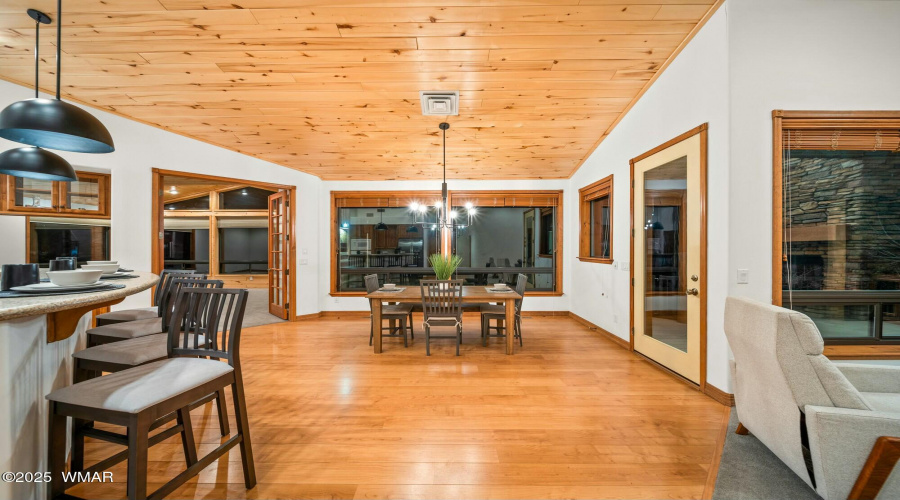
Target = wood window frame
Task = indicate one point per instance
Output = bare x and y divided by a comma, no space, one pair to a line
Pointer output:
804,120
158,215
600,189
503,198
58,192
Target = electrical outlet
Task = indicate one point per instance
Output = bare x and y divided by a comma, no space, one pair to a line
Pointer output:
305,251
743,276
304,262
624,265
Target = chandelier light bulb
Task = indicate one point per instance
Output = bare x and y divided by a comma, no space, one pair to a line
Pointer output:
423,208
414,206
471,211
453,214
438,204
469,205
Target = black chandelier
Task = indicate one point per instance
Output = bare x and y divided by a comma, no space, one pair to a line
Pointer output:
447,217
54,123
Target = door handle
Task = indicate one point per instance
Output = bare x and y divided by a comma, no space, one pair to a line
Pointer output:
692,291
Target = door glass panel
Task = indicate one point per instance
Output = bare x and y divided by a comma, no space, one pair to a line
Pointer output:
33,193
665,232
83,194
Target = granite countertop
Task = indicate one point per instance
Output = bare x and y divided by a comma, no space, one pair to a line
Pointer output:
20,307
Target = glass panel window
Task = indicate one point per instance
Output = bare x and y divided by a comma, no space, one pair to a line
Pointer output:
386,241
841,234
186,243
503,242
195,203
595,238
33,193
85,239
243,245
246,198
83,194
600,228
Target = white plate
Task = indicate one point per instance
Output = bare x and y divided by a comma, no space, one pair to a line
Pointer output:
50,287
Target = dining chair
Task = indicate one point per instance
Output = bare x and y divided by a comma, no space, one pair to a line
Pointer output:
498,313
205,329
393,312
146,312
442,306
117,332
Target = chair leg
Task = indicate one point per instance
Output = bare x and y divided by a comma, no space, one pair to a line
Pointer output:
77,445
458,338
222,411
403,327
243,428
371,329
183,418
412,333
741,430
56,452
138,430
427,340
519,329
484,331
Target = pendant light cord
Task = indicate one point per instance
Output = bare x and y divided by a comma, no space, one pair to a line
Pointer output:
37,48
58,45
445,155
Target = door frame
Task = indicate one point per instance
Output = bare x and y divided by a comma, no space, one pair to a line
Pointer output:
702,284
158,222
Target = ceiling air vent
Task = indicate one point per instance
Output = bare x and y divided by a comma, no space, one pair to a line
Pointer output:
439,102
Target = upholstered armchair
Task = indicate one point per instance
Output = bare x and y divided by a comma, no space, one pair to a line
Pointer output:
841,418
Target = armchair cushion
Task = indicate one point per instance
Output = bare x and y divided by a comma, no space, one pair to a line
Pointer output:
883,401
870,377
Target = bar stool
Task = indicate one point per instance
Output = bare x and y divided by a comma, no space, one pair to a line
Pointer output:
494,312
206,323
141,313
132,329
392,312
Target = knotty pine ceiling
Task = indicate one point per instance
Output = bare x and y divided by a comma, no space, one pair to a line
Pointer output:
332,87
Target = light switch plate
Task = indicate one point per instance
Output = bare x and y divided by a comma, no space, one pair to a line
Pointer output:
743,276
625,265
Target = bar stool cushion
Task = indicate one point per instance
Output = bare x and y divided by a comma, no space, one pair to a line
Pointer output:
130,329
138,388
136,351
129,314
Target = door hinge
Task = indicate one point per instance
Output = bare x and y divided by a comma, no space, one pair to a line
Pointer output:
160,192
632,281
632,232
161,235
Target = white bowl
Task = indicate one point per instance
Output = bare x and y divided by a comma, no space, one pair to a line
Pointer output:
500,286
106,268
390,286
101,262
76,277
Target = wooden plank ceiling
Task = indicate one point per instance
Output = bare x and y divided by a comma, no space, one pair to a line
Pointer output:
331,87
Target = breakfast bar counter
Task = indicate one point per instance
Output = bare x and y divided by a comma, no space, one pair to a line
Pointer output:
37,338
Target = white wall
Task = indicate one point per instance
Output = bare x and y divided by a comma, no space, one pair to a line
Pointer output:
796,55
139,148
693,90
329,303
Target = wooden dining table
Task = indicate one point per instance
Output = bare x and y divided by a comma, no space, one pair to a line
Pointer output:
471,294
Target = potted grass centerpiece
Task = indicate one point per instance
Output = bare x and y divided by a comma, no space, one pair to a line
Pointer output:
444,267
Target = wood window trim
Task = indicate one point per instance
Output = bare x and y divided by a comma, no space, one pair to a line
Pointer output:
540,235
158,215
541,198
789,120
587,194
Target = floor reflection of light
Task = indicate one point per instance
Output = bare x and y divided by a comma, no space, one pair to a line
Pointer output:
346,385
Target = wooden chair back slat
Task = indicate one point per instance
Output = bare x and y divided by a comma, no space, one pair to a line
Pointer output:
214,313
442,298
165,278
521,282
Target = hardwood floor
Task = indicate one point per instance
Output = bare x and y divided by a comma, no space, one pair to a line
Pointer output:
570,415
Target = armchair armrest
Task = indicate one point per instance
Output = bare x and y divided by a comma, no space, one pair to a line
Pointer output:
872,378
840,442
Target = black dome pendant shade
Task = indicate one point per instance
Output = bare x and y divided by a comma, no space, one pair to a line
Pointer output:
52,123
36,163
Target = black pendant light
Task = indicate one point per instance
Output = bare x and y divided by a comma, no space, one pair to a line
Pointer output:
381,226
32,162
53,123
36,163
